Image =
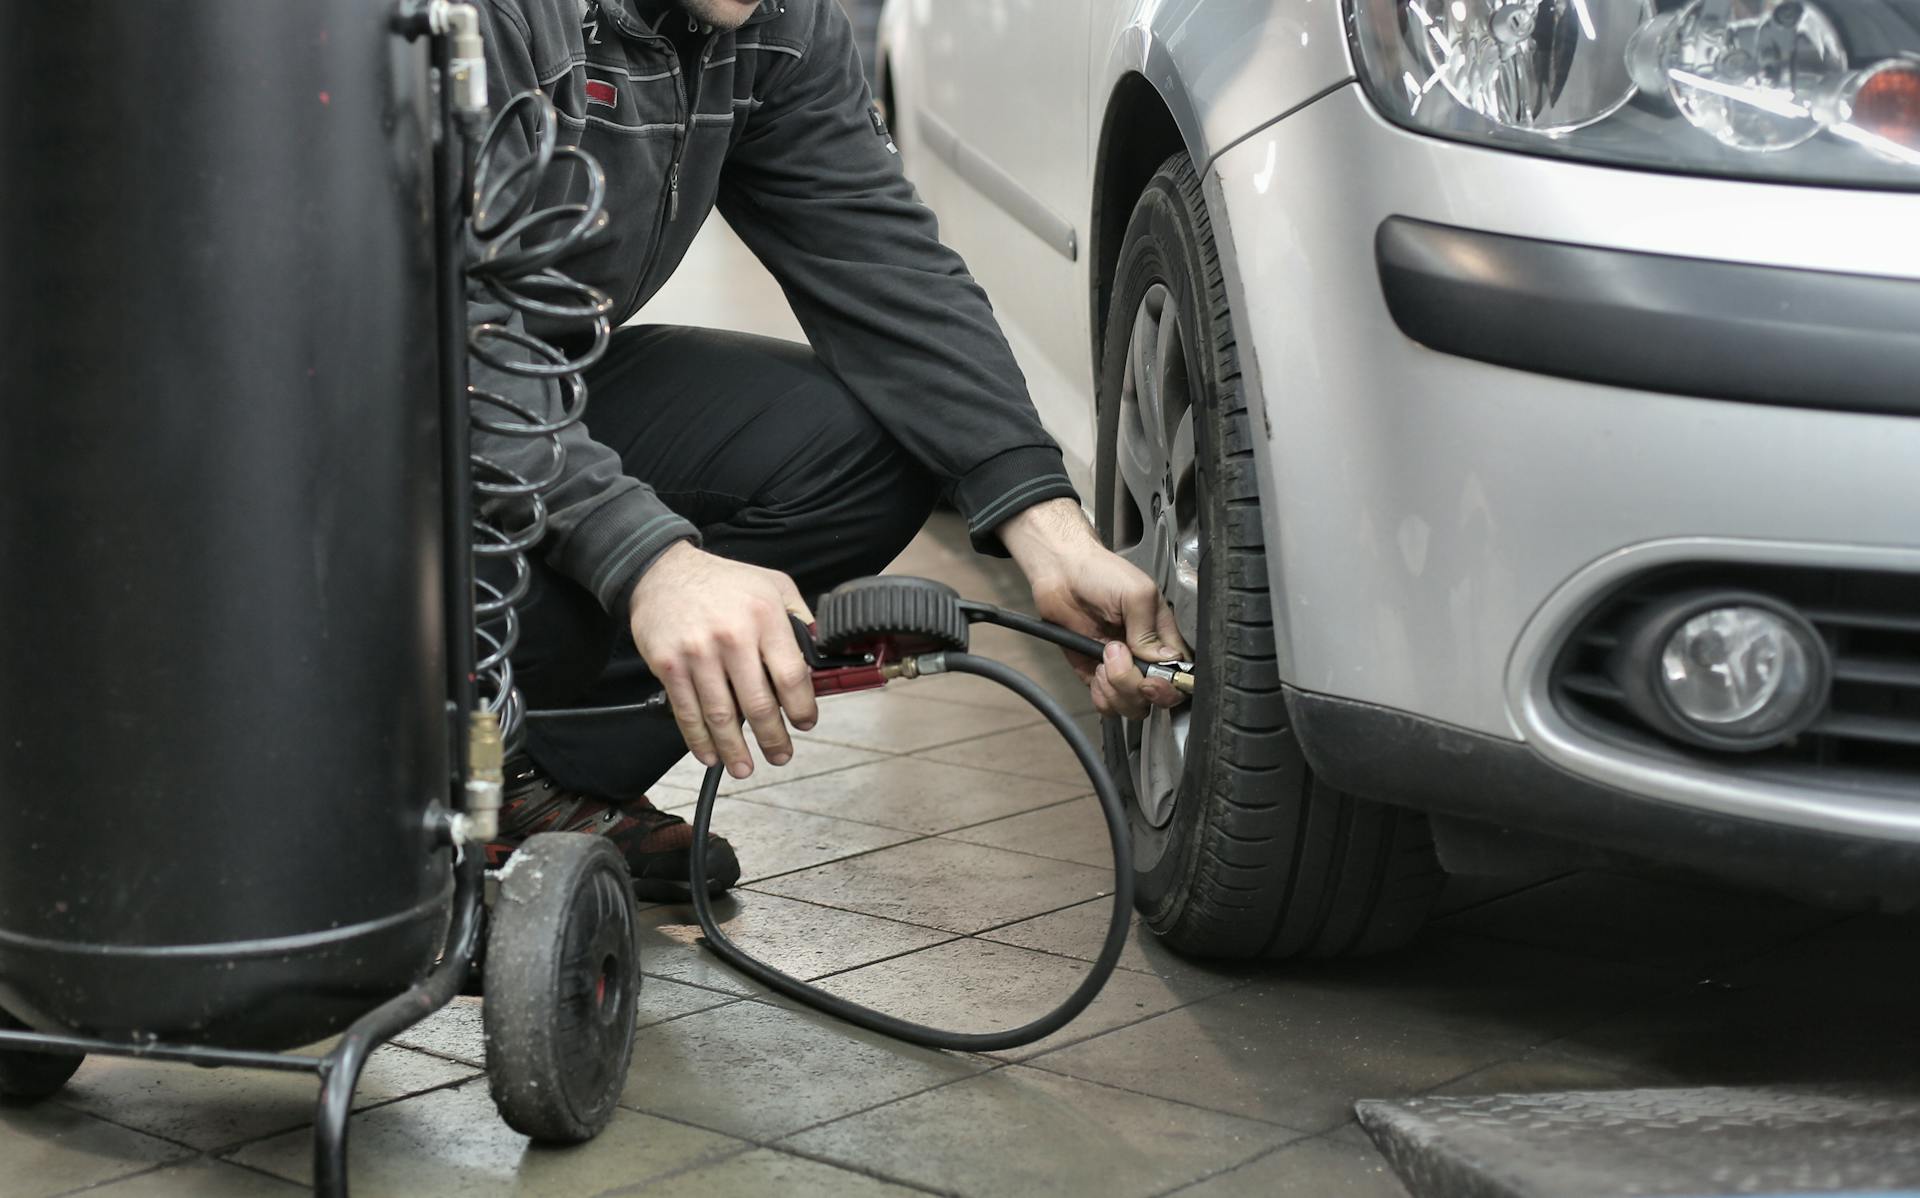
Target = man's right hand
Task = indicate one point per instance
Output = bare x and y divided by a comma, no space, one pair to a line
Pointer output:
716,634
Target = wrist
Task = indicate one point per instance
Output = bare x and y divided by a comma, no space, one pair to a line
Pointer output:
1042,537
674,556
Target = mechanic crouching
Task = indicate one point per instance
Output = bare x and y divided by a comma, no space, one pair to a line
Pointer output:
720,477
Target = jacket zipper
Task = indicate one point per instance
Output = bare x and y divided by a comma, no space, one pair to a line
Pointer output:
686,132
689,106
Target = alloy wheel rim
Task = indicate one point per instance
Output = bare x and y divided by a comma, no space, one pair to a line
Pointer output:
1156,524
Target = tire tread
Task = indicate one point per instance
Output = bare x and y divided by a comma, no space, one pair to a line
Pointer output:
1286,865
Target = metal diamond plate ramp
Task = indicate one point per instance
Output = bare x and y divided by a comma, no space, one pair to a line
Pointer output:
1611,1144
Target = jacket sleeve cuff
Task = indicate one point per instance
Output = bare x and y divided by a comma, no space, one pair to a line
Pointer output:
610,551
1007,484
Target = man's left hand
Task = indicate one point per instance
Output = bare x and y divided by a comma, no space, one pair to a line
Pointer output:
1080,584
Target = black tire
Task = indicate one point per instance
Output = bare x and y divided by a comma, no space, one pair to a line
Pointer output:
562,979
1259,858
32,1076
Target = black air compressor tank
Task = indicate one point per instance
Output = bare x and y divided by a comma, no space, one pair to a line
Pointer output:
221,686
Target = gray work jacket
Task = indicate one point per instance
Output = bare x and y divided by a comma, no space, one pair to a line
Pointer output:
774,125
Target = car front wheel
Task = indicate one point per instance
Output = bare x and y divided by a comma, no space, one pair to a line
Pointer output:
1239,850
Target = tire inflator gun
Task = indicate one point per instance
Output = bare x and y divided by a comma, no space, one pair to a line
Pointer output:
870,632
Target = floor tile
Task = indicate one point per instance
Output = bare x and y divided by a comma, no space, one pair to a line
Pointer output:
213,1108
1511,994
1038,660
914,795
810,756
1462,892
943,551
947,885
802,939
49,1149
1341,1164
760,1071
1260,1051
1641,920
1079,932
1836,1007
981,692
1021,1131
892,721
979,986
1545,1070
774,839
1073,831
1033,752
766,1173
453,1142
201,1178
456,1031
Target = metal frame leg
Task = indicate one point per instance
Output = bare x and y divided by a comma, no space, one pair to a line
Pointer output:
340,1069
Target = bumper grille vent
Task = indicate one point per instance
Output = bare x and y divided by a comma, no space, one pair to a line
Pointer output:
1869,734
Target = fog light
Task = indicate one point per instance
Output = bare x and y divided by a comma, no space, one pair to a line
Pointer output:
1724,671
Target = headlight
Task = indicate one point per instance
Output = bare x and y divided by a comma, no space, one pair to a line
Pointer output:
1826,92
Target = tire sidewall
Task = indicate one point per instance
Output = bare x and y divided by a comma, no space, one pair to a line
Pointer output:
1163,245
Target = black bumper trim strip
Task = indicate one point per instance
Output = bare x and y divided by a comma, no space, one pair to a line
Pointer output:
1686,326
1399,758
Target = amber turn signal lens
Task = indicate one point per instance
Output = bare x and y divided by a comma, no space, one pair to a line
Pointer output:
1886,103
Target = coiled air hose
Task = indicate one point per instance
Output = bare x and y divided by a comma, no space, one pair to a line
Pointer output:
1111,808
514,248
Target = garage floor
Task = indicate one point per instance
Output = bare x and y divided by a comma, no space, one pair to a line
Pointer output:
932,851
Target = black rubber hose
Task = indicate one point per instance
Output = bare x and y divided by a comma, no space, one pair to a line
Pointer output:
919,1033
986,613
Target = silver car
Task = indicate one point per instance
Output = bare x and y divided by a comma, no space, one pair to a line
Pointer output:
1519,401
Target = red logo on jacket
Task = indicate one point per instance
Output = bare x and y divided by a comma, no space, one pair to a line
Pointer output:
599,92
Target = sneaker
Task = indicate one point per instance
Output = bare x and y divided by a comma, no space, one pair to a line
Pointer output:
657,846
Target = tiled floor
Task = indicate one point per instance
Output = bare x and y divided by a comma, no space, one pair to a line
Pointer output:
930,852
934,852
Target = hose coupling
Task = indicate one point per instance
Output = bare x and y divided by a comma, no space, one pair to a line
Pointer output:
917,666
1177,674
467,62
486,780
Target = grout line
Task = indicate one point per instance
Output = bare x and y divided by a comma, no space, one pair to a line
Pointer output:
834,973
863,1170
642,1186
991,1066
913,836
259,1172
1022,726
1031,1063
92,1186
843,910
1261,1155
1528,888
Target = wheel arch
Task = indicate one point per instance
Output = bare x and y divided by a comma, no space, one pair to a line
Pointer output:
1151,114
1138,131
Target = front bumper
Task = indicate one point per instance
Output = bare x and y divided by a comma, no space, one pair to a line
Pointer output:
1436,523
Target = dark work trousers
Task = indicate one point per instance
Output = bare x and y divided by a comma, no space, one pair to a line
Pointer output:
762,449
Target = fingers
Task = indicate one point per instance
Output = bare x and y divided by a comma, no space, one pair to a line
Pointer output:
720,716
791,598
1151,628
685,697
1056,601
1168,629
748,673
792,679
1122,683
